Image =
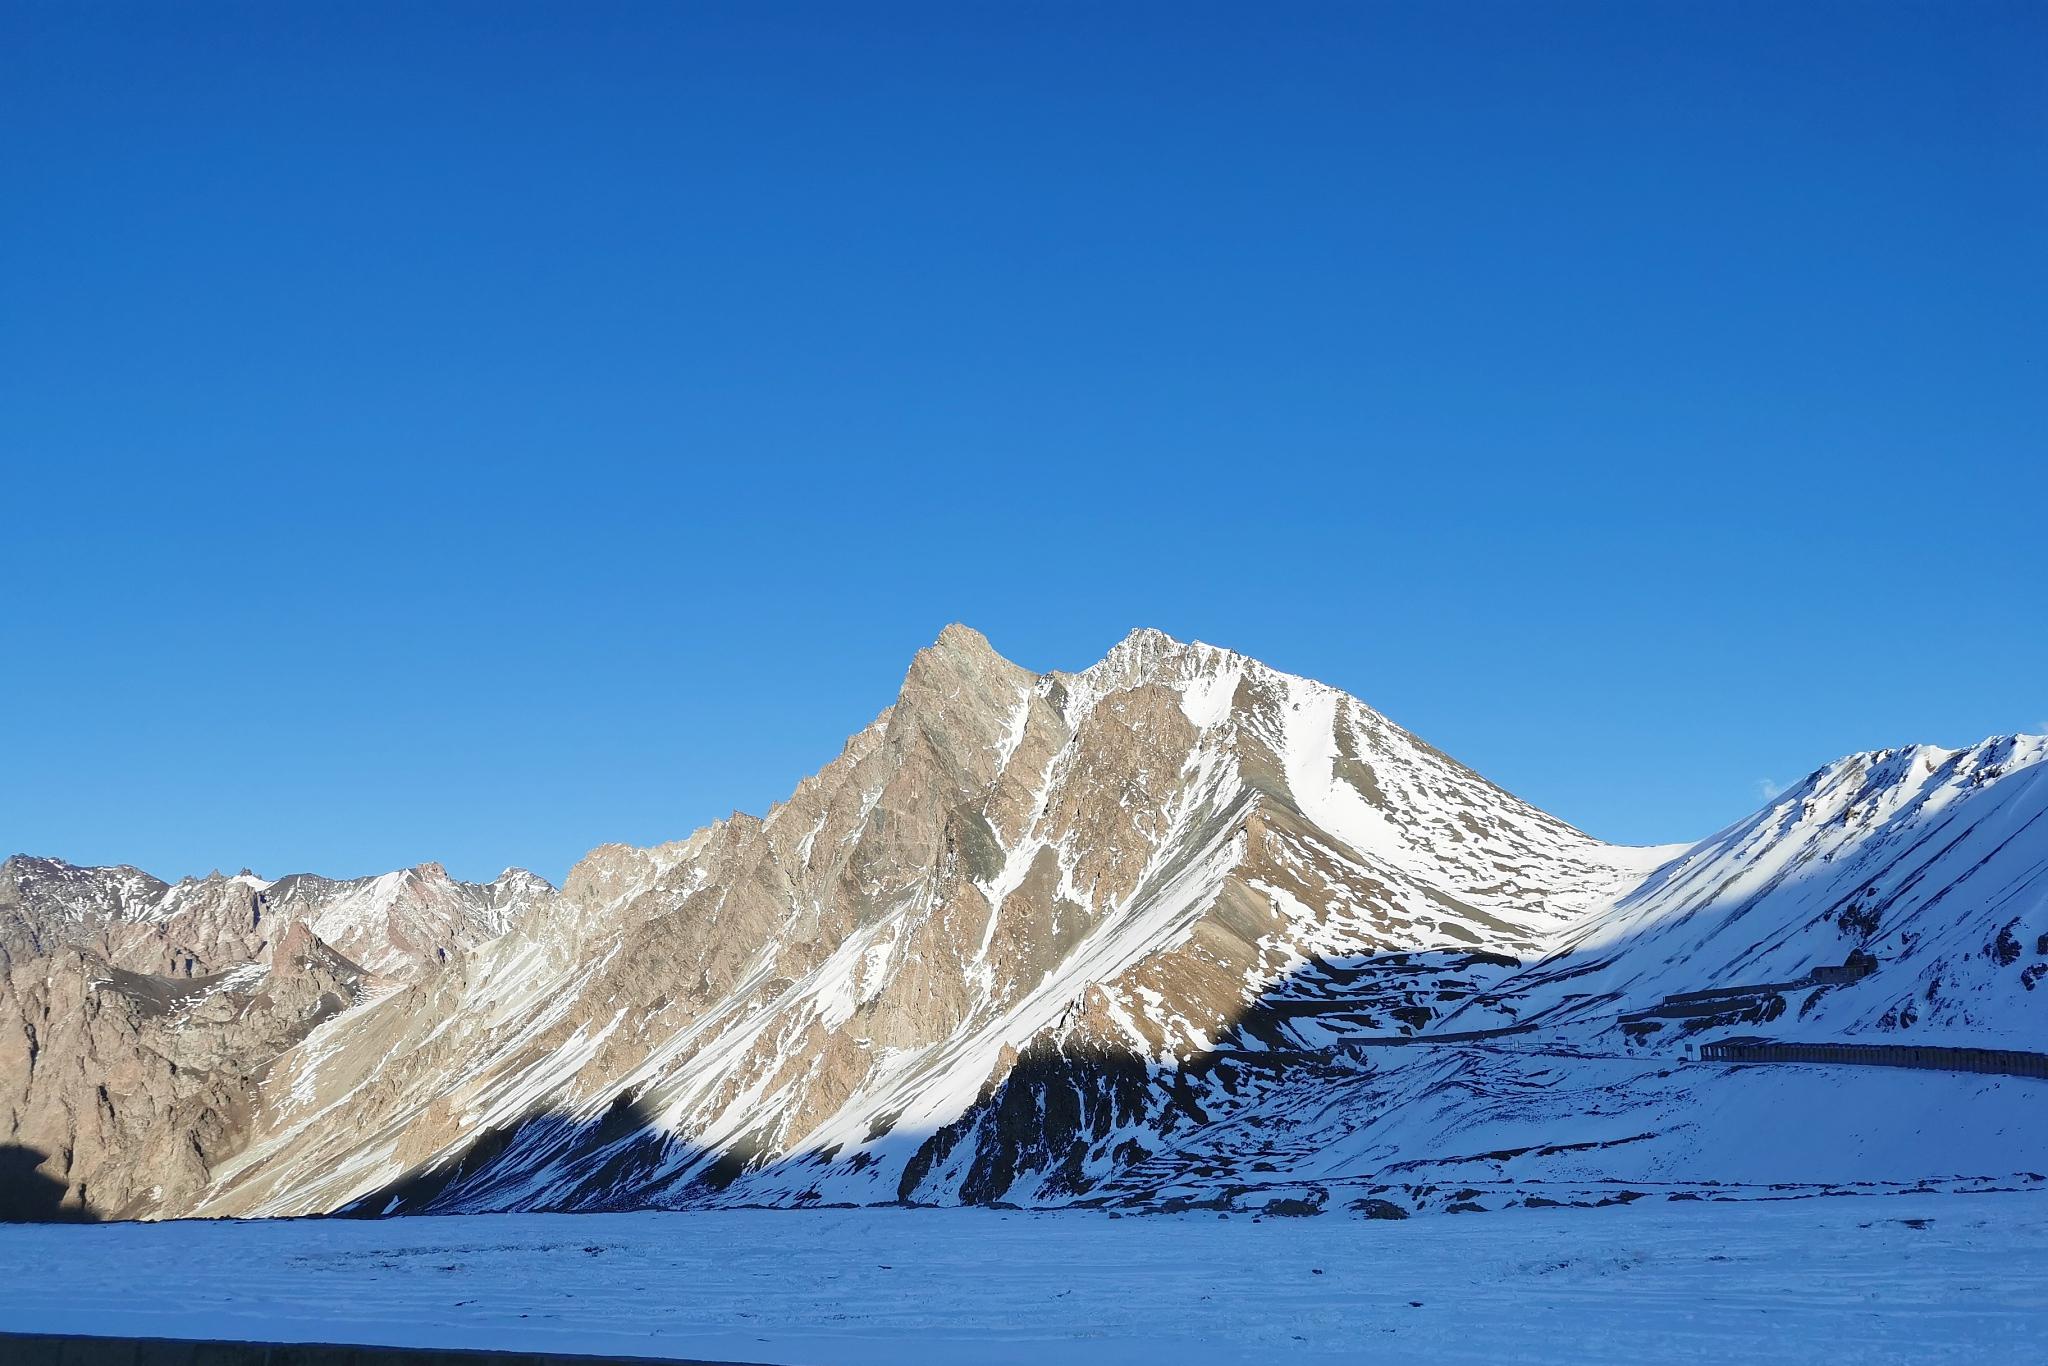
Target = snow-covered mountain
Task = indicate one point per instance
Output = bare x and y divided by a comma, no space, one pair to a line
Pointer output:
390,925
1099,937
1933,862
1133,862
1893,897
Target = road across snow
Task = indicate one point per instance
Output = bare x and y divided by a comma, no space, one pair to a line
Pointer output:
1894,1278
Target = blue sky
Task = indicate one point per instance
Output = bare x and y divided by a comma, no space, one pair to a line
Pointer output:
479,432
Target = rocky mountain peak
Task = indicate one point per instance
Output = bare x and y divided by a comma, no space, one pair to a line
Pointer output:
46,902
299,947
1020,936
961,656
960,638
1147,654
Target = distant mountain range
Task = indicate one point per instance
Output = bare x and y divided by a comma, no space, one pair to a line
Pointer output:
1177,930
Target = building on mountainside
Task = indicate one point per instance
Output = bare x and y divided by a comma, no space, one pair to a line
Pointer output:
1858,965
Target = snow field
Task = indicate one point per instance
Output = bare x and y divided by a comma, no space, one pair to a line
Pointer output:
1912,1278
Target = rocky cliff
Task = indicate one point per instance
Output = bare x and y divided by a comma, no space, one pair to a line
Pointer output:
138,1018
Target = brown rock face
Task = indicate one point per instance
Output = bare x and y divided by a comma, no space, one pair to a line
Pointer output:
138,1019
129,1088
46,904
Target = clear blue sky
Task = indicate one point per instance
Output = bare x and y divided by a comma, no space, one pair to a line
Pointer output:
479,432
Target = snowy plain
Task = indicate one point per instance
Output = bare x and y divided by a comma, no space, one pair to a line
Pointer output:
1850,1279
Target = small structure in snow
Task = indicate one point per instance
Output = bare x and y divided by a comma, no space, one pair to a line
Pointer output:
1858,965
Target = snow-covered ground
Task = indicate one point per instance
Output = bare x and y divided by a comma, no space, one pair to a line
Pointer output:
1508,1122
1895,1278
